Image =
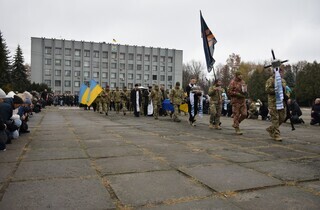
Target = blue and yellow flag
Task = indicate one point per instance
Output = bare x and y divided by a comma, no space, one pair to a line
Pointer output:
209,41
83,94
95,90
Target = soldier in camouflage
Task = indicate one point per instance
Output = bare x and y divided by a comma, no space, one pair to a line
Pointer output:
125,97
277,116
156,97
117,99
215,93
105,100
176,98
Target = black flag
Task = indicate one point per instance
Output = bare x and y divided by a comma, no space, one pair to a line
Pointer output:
208,43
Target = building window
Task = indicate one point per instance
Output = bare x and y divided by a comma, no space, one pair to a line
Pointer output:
130,56
67,51
47,61
104,74
113,65
122,76
139,57
104,84
113,76
162,77
147,57
146,67
155,58
139,67
86,63
86,74
96,54
57,72
154,77
162,58
95,74
77,63
162,68
113,85
122,56
77,83
170,59
130,66
86,53
47,50
67,83
130,76
77,53
57,83
114,55
58,62
67,73
154,68
104,54
169,78
77,73
58,51
169,68
48,82
138,76
146,77
47,72
122,66
104,65
67,62
95,64
130,85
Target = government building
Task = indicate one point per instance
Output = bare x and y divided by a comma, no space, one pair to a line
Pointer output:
65,64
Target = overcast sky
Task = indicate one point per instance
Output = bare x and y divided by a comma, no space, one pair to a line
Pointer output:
249,28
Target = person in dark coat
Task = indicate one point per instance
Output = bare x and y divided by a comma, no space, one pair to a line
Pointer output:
295,112
315,112
135,97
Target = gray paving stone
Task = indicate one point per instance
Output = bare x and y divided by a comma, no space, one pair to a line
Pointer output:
180,159
127,150
129,164
54,169
54,153
5,170
207,204
161,147
313,148
154,187
225,178
57,194
54,144
99,143
286,170
11,155
54,137
283,153
277,198
313,186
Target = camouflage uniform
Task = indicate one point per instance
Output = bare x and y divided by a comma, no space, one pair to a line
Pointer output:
117,99
156,97
104,101
277,116
176,98
125,96
215,93
238,102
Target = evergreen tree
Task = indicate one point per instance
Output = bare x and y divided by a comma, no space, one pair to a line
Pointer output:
19,74
4,65
256,84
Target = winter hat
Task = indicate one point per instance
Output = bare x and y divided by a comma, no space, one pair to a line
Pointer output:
17,100
27,101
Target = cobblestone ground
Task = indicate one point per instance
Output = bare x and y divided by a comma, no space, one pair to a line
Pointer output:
77,159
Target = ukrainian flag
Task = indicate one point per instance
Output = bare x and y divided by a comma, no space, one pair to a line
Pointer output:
83,94
95,90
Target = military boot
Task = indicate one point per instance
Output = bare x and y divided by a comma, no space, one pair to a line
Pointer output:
238,131
211,126
277,137
217,127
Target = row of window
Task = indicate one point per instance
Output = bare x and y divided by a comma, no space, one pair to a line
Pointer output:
114,55
113,75
104,65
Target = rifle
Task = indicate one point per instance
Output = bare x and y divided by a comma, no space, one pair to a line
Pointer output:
276,63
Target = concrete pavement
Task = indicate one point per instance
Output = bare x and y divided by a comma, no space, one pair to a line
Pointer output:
76,159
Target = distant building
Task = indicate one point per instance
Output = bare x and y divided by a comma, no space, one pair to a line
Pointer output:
65,64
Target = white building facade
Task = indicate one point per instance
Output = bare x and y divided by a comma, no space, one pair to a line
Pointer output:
65,64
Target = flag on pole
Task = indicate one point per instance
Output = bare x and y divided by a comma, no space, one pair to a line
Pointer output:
83,94
95,90
114,40
208,43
